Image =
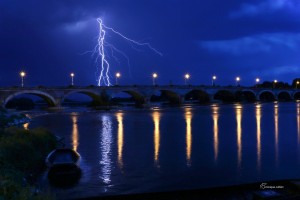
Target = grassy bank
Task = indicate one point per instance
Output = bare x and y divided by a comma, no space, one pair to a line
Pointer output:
22,155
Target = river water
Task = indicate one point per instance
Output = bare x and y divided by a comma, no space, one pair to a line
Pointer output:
166,148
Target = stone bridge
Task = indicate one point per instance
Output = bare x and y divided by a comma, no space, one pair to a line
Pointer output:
54,96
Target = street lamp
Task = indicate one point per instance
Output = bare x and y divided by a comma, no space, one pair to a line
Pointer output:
72,78
154,76
297,83
22,74
186,78
213,80
274,85
257,81
117,77
238,81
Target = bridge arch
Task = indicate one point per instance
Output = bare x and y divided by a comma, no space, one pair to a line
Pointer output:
284,96
47,97
156,96
197,94
247,95
266,95
225,96
296,95
138,98
97,98
172,96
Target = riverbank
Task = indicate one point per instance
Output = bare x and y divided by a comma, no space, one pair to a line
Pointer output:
22,155
281,189
11,118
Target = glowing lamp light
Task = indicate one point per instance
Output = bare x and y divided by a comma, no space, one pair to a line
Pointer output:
154,76
238,80
22,74
72,78
257,80
214,78
186,77
274,84
118,75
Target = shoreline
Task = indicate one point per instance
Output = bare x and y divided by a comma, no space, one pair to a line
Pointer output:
278,189
9,118
231,191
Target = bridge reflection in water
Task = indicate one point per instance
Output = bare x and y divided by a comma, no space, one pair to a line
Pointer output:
120,138
215,115
201,146
75,134
156,138
238,111
188,120
298,130
258,135
298,123
276,116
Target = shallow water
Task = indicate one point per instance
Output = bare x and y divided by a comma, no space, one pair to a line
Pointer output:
165,149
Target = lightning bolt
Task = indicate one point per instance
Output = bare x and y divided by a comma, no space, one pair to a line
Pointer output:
102,58
104,76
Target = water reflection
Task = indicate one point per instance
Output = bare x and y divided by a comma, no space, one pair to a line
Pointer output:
105,146
120,139
156,118
215,116
298,123
258,135
26,126
75,134
298,128
276,131
188,119
238,111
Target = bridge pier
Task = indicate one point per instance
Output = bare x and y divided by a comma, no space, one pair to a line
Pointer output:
211,97
147,100
181,99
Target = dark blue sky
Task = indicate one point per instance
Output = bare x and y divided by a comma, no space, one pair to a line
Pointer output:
51,39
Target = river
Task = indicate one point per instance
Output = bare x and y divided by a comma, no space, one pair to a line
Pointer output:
126,151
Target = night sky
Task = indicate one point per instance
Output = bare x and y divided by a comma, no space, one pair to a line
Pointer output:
249,38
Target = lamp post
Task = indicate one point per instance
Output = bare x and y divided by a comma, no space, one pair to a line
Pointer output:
72,78
214,78
274,84
154,76
118,75
257,81
186,78
297,83
22,74
238,81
